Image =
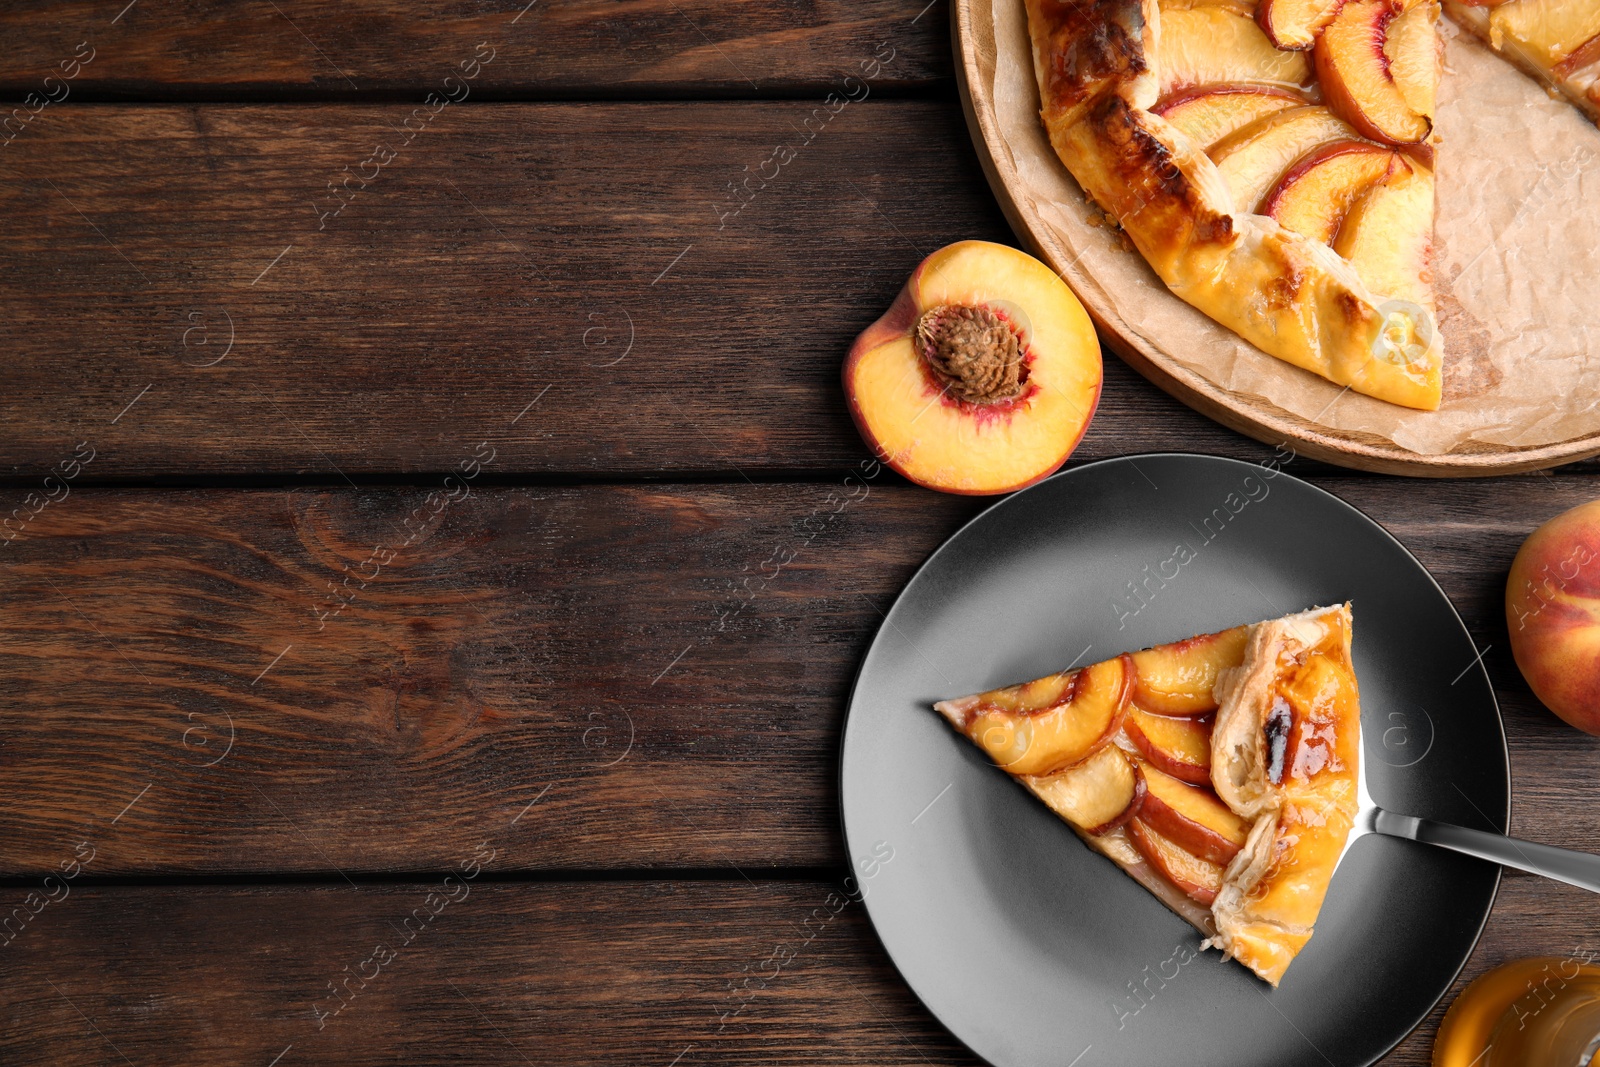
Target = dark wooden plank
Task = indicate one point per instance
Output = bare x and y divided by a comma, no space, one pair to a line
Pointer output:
516,645
546,974
295,49
508,255
631,973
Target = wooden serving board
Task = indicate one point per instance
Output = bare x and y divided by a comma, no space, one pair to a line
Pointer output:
976,58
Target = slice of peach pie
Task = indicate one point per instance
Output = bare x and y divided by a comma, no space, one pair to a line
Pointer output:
1219,772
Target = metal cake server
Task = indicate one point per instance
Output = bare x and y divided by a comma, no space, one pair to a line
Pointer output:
1564,865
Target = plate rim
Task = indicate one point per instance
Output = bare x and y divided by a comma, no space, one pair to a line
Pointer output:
1131,459
1257,419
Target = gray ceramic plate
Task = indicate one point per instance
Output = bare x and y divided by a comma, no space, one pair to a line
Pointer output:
1034,950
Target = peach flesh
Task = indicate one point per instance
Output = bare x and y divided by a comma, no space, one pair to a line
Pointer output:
1314,196
1220,43
952,422
1051,739
1192,818
1199,879
1295,23
1254,157
1355,73
1388,236
1210,113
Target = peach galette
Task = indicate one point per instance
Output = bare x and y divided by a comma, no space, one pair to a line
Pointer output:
1556,41
1272,163
1219,772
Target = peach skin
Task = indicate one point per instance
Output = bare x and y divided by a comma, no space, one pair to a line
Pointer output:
1553,613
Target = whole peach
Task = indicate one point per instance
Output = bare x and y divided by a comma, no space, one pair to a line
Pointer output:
1553,612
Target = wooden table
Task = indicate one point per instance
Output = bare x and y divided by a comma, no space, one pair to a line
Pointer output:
387,467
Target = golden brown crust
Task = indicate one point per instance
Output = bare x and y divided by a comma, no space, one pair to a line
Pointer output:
1083,49
1273,890
1287,294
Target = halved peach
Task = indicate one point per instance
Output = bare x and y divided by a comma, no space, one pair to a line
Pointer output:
1388,236
1214,43
1177,679
1549,32
1042,742
1098,795
1254,157
1208,113
1314,195
1358,67
1199,879
981,377
1192,818
1295,23
1180,747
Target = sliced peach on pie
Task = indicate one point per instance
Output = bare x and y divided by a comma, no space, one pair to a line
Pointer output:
1551,33
1314,195
1097,795
1191,817
1244,814
1046,740
1388,236
1213,43
1180,747
1411,48
1210,113
981,377
1178,678
1198,878
1295,23
1029,698
1254,157
1382,86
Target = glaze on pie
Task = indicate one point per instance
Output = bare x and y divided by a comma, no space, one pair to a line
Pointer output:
1219,772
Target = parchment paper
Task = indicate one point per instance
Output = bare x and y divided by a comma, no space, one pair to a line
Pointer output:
1516,267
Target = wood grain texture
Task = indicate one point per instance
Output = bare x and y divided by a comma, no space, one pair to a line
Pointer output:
497,261
516,645
299,49
630,973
